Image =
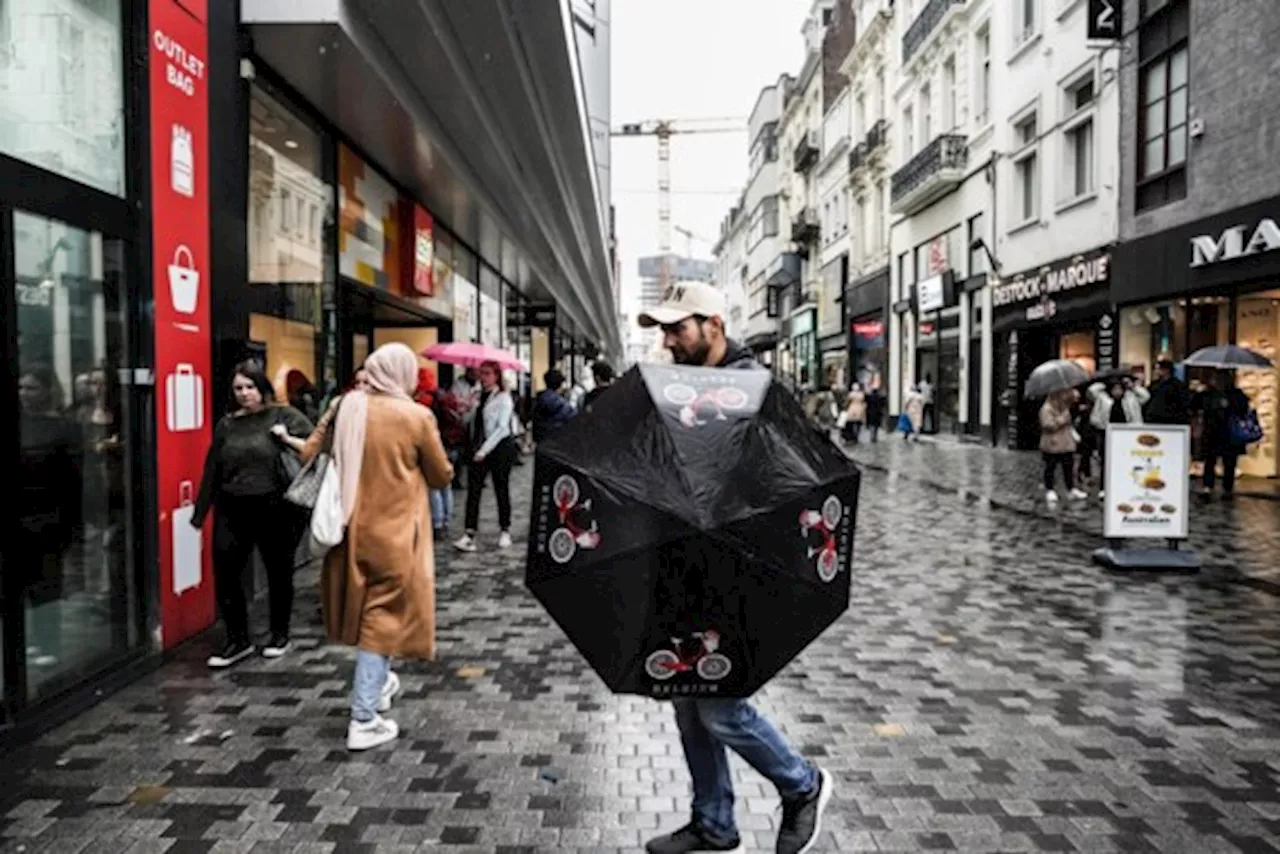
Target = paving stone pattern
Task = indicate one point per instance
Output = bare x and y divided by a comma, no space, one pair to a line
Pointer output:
988,691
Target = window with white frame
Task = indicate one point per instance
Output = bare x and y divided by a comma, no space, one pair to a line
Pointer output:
950,109
1079,98
908,134
926,114
982,94
1026,21
1026,185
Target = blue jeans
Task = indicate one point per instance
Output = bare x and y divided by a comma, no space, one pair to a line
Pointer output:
707,727
441,507
366,688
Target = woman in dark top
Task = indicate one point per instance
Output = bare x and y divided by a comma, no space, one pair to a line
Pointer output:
245,480
1218,406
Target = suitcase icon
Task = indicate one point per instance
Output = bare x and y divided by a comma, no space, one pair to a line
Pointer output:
187,542
184,399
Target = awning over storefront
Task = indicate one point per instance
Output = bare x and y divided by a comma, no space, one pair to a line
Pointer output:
477,108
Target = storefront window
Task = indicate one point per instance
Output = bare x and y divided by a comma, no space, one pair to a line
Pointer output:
62,88
1078,347
1258,329
73,490
1150,333
466,296
291,254
869,352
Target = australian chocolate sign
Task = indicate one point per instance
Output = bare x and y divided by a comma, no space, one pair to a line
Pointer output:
1036,290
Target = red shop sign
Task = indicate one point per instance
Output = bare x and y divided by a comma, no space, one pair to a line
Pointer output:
180,258
869,328
424,254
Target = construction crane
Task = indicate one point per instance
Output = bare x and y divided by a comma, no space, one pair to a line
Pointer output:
664,129
689,237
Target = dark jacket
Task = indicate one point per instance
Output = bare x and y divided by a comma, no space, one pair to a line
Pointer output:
244,457
738,358
1170,403
550,413
1219,407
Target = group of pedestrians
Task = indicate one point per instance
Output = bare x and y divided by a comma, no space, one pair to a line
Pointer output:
1074,423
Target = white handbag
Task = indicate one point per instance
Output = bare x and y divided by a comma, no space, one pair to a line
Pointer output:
328,525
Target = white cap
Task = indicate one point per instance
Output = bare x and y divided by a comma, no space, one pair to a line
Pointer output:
685,299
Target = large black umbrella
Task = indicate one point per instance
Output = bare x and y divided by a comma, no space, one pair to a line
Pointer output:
1053,376
692,533
1227,357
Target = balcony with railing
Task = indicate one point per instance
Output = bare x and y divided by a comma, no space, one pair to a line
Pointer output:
929,19
807,153
805,227
938,168
871,143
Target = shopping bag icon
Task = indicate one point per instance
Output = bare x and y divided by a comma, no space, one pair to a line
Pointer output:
184,280
182,170
187,542
184,399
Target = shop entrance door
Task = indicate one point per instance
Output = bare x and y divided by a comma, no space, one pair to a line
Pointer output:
1034,349
78,424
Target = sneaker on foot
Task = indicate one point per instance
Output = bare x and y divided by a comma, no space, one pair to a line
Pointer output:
1079,494
504,540
233,652
390,690
1051,497
276,647
362,735
465,543
688,839
1102,493
802,817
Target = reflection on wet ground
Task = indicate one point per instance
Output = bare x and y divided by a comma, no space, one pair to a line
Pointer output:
988,690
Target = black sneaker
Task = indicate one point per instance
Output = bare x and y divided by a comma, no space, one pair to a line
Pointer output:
276,647
233,652
690,838
802,817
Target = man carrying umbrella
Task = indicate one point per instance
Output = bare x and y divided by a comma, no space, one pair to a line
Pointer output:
692,320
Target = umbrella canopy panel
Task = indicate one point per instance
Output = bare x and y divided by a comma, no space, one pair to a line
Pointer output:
692,534
1054,376
1227,357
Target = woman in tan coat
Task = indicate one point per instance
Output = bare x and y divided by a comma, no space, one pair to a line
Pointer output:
378,586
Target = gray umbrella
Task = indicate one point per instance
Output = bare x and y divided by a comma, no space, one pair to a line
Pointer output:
1057,375
1227,357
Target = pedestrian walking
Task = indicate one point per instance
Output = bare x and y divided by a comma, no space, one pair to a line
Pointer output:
911,420
551,410
876,404
929,414
604,376
378,585
1219,405
1087,441
1118,401
245,480
692,322
1058,444
492,454
855,414
428,394
1170,401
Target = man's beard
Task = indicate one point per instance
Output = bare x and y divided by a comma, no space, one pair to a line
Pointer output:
697,356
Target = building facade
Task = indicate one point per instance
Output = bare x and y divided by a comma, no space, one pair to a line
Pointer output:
1199,260
179,191
762,210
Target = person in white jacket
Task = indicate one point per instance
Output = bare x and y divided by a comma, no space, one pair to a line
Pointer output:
1118,401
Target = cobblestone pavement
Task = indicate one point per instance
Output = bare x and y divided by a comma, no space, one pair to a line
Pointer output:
1239,540
987,691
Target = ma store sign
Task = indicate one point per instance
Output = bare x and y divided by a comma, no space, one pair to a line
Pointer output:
1232,243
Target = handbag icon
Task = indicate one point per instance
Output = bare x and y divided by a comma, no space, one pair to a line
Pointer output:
187,542
184,399
184,280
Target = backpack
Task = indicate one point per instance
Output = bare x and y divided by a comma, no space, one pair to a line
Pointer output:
453,430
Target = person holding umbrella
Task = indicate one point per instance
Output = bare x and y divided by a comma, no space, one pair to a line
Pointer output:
1058,444
691,317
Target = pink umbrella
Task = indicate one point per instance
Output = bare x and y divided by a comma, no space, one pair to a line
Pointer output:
472,355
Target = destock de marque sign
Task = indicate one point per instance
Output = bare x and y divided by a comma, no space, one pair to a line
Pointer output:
1033,289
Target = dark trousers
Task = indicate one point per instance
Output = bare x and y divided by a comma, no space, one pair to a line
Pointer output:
1230,457
274,526
498,465
1056,461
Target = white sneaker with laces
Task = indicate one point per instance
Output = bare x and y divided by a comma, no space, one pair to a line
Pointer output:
465,543
504,540
390,690
362,735
1051,497
1102,493
1079,494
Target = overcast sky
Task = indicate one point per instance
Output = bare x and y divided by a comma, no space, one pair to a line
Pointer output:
676,59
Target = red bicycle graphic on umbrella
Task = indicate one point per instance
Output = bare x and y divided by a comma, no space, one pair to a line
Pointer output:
826,522
565,540
700,657
695,406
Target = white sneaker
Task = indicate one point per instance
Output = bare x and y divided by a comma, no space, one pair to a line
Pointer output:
362,735
465,543
504,540
1079,494
1051,497
1102,493
390,690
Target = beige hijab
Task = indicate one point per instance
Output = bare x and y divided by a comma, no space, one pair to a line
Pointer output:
392,370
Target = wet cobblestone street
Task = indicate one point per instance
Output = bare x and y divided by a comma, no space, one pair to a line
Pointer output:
988,690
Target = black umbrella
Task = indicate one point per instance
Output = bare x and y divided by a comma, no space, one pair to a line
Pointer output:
692,533
1227,357
1053,376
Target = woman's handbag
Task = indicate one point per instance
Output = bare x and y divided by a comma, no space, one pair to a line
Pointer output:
1245,430
304,489
287,464
328,523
